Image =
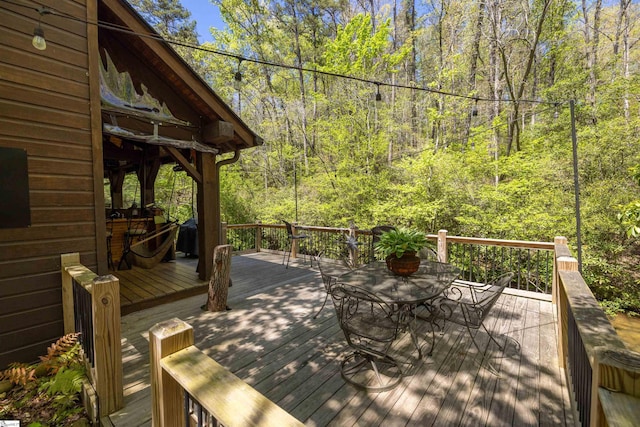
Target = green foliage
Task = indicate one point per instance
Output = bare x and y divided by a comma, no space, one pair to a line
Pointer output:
47,392
400,241
629,217
333,155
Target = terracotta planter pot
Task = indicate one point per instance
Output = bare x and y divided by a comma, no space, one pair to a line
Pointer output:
405,266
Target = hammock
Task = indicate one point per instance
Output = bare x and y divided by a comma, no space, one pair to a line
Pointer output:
140,255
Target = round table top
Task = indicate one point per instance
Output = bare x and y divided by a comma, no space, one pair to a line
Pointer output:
428,282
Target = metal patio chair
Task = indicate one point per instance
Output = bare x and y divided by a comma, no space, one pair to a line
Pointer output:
469,304
333,262
376,232
291,238
370,326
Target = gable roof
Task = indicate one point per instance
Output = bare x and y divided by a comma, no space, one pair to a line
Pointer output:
119,21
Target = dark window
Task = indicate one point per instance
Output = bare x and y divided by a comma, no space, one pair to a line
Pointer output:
14,189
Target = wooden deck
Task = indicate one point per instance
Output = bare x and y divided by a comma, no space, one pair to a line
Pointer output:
167,282
270,340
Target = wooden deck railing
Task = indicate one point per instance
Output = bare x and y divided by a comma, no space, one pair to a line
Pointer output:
91,306
479,259
188,388
602,374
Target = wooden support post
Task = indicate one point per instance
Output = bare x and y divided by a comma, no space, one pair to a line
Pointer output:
67,260
258,236
116,181
442,245
166,394
106,335
208,213
563,262
219,281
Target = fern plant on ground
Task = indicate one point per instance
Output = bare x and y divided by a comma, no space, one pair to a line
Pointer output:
46,393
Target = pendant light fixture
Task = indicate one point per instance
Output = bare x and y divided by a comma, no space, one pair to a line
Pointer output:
39,41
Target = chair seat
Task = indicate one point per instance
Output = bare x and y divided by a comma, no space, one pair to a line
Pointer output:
371,326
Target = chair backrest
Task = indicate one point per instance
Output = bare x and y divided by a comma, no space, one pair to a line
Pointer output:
289,228
376,232
364,318
485,297
428,253
327,279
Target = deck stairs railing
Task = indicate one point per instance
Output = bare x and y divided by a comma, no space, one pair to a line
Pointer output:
602,374
91,306
188,388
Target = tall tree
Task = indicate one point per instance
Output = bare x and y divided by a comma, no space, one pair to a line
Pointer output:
173,22
592,37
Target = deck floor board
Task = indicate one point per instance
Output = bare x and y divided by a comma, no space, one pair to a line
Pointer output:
270,340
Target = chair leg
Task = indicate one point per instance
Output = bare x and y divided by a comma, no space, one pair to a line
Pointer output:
326,297
484,363
371,373
287,254
493,339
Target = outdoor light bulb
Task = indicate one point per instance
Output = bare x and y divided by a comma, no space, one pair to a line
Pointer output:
38,39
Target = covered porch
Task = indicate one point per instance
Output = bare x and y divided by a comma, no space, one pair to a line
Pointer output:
270,340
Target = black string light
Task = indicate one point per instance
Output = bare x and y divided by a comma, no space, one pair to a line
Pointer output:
238,76
39,42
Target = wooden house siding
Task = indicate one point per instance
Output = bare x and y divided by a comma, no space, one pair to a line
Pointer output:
45,100
50,106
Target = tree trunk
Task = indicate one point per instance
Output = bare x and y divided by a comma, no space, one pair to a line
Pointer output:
219,282
591,38
475,54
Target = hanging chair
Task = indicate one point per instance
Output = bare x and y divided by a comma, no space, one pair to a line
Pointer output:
140,255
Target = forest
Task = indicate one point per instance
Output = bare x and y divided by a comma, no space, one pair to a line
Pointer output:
445,114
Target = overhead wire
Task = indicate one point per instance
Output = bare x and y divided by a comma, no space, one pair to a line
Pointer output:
241,58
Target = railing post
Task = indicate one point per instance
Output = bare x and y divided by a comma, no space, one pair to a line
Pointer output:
106,335
563,262
223,233
258,235
166,338
67,260
294,242
558,242
442,245
104,317
353,250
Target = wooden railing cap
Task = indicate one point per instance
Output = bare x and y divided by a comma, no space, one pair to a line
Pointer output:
169,327
622,358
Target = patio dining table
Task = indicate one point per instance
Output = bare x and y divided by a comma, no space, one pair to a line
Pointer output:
404,293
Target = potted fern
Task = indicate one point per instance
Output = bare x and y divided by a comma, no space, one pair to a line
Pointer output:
399,248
